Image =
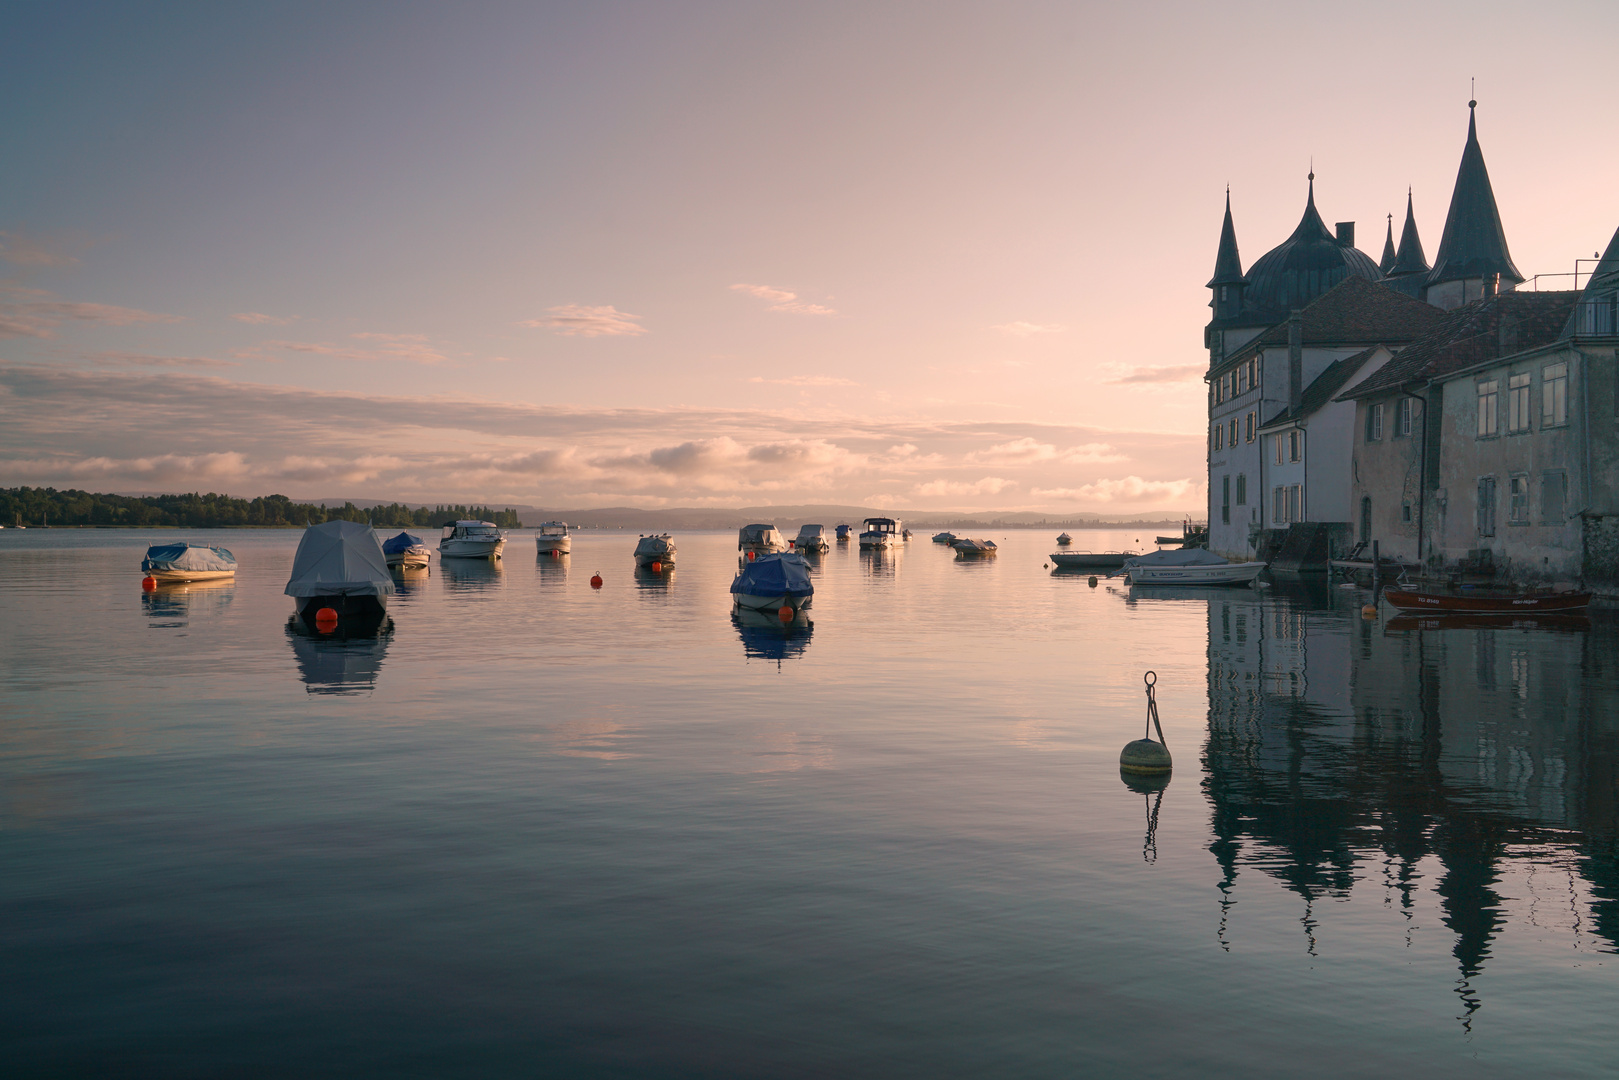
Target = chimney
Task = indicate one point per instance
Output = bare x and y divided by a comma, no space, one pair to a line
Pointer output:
1295,360
1492,284
1346,233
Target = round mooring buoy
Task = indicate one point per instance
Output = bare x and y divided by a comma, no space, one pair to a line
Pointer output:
785,613
1369,611
657,568
1145,756
149,583
326,620
1093,581
596,581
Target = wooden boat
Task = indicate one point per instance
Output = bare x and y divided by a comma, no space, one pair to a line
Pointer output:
1411,600
1091,560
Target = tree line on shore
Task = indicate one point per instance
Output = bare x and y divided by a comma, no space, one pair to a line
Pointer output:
37,507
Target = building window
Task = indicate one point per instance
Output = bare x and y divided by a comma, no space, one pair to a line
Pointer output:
1554,395
1518,402
1295,445
1225,499
1405,513
1374,422
1486,506
1553,497
1219,391
1277,439
1231,383
1242,379
1404,423
1487,418
1295,503
1518,506
1242,489
1253,372
1233,439
1225,291
1279,506
1219,435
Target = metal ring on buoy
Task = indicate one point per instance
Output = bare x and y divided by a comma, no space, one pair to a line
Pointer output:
1150,678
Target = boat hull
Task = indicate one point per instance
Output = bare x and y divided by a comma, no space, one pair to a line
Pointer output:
167,577
666,559
417,559
458,548
770,604
561,545
881,540
1229,574
1090,560
1444,603
347,607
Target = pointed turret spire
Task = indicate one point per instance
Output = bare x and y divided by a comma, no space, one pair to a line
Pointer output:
1386,263
1597,313
1411,260
1227,263
1473,245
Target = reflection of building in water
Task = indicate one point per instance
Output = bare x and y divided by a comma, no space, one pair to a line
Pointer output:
1340,751
346,661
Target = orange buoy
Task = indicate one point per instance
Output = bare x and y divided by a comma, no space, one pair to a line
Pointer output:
750,556
149,583
786,613
326,620
657,568
596,581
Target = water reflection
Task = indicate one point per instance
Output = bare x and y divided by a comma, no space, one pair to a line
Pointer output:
170,606
1443,762
472,575
409,582
768,637
343,662
646,581
552,567
1151,789
880,562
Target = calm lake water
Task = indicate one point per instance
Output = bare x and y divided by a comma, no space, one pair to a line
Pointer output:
541,829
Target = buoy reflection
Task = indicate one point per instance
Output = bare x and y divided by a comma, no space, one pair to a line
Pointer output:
1151,789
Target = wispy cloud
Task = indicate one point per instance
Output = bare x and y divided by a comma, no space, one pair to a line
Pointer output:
1169,374
782,300
23,250
989,485
582,320
1028,329
258,318
1126,490
409,348
37,313
1028,451
131,359
806,380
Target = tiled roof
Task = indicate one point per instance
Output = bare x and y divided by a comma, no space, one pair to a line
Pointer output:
1474,334
1326,384
1353,312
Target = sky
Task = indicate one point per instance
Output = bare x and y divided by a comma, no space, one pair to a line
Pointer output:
920,256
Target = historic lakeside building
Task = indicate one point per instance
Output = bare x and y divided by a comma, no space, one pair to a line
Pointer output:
1438,410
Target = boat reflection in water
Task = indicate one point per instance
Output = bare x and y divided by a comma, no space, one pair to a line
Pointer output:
170,607
1459,769
409,581
654,581
345,660
767,636
471,575
552,567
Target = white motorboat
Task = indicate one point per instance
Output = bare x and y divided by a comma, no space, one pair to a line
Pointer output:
406,552
1063,539
880,532
945,538
969,548
757,540
773,583
1190,566
339,566
471,540
811,538
188,562
553,538
656,549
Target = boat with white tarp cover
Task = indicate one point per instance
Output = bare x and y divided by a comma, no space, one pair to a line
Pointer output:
339,565
761,539
1189,566
656,549
188,562
773,582
811,538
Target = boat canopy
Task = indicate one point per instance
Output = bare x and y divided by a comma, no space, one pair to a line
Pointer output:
775,575
758,534
339,558
400,544
185,556
811,532
882,525
553,528
1179,557
654,543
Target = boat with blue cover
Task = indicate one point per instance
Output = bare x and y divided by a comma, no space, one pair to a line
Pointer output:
188,562
406,552
773,582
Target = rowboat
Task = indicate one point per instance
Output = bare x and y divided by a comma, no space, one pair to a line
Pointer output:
1411,600
1091,560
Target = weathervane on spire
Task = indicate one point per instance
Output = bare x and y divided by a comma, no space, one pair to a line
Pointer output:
1472,92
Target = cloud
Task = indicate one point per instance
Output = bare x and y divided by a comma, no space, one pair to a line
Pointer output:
989,485
21,250
1028,329
806,380
1129,489
255,318
1170,374
1028,451
410,348
131,359
37,313
582,320
782,300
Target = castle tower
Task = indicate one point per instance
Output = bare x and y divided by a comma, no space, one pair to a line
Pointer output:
1472,257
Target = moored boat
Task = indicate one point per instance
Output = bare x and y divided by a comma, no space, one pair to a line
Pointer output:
553,538
772,582
843,532
810,538
339,565
1476,604
1190,566
406,552
188,562
1063,539
1092,560
656,549
760,539
944,538
471,540
968,548
880,532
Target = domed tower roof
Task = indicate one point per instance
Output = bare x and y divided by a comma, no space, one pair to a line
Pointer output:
1302,267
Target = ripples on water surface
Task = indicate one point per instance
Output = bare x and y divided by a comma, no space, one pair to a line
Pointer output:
538,828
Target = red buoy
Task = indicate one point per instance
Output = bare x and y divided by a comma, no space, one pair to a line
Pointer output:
596,581
657,568
326,620
786,613
750,556
149,583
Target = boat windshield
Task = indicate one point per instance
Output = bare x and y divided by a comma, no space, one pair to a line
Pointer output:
480,532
